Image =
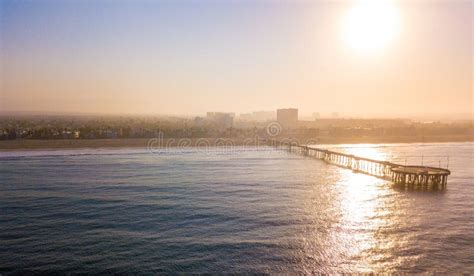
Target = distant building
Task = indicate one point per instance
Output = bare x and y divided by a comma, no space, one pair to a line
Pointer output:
316,115
288,117
258,116
221,119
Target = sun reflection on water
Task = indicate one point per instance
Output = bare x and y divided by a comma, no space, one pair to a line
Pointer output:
367,151
369,214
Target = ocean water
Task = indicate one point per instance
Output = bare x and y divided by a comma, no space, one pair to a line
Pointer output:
245,210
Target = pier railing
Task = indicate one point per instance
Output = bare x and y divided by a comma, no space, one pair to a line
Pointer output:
407,176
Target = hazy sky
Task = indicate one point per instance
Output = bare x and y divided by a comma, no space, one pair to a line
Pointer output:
189,57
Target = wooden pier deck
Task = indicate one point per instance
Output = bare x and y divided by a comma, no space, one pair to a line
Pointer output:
405,176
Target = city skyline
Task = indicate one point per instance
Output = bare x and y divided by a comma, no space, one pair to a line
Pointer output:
295,137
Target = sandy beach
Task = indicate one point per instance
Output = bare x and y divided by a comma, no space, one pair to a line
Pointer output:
30,144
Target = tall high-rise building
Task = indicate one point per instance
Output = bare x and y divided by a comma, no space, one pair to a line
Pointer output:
287,117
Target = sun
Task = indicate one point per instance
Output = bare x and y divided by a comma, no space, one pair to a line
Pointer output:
370,26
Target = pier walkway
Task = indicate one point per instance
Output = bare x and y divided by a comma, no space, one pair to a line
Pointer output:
405,176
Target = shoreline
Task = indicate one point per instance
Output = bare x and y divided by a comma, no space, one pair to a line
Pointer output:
29,145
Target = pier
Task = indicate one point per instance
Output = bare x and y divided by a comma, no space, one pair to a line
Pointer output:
411,177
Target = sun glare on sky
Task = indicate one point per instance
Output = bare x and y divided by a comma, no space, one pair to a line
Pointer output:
371,25
164,57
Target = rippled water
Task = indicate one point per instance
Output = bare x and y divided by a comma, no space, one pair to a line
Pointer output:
249,210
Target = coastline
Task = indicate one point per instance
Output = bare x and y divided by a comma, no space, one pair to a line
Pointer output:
28,144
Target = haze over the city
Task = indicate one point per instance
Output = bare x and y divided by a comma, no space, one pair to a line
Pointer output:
293,137
183,57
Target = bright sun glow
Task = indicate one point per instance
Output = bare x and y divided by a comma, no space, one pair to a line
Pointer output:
371,25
